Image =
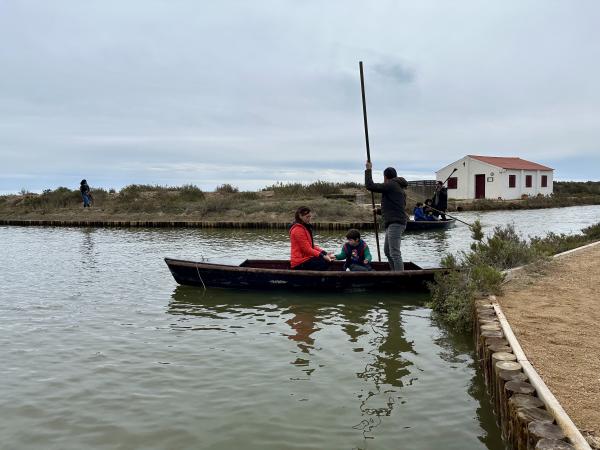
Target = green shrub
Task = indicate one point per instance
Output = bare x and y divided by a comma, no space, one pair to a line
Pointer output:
60,197
226,189
479,272
503,250
592,232
190,193
299,190
577,188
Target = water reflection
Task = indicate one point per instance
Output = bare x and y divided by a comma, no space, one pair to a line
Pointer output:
457,348
87,248
303,324
383,357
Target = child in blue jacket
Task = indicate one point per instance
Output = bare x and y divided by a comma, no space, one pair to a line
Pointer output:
356,253
418,212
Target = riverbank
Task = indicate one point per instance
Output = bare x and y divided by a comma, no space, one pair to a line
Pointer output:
554,313
228,208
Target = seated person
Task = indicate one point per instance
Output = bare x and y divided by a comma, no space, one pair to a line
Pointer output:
305,255
418,212
428,210
356,253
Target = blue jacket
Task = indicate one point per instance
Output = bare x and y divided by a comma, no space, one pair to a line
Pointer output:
419,214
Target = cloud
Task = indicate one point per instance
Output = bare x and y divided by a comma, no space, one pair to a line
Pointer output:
118,90
397,72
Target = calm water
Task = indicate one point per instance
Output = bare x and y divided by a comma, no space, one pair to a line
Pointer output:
101,349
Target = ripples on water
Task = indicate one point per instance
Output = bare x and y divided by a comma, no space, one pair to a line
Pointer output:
101,349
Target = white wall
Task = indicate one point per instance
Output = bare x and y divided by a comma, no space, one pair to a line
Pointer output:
467,168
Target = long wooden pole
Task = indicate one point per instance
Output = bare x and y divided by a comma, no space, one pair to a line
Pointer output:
364,105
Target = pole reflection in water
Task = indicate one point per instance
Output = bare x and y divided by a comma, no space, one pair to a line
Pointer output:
386,369
373,368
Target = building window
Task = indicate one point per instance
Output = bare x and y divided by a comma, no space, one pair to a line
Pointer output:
528,181
512,181
544,180
453,183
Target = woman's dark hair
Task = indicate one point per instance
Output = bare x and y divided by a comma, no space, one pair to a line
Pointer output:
428,201
353,233
303,210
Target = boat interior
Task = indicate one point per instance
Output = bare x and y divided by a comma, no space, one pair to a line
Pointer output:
336,266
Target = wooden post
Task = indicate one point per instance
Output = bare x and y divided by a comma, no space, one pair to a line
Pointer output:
508,367
488,366
524,401
521,422
483,336
542,430
553,444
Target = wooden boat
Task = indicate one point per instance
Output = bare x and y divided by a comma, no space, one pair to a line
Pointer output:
422,225
269,274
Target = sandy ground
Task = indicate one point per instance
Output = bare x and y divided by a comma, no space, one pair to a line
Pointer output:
555,314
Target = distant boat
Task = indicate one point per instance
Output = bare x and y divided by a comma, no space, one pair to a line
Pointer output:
422,225
269,274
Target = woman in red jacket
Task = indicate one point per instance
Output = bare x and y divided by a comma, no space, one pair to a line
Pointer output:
305,255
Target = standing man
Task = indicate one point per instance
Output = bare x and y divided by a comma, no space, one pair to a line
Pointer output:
393,205
440,200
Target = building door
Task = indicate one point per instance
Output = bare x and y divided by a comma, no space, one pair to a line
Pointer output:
480,185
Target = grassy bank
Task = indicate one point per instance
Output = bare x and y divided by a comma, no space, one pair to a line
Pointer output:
142,202
479,272
332,202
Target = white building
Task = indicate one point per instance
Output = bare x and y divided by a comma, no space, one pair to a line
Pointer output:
496,178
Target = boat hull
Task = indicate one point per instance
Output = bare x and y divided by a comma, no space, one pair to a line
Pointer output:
262,274
424,225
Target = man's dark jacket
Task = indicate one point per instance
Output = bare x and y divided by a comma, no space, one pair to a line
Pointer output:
393,198
440,199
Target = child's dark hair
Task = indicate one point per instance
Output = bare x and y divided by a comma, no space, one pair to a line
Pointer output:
419,204
353,233
303,210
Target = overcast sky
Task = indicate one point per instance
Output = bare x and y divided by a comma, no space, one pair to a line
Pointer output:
172,92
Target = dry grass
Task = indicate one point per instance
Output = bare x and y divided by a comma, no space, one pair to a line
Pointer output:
555,314
140,202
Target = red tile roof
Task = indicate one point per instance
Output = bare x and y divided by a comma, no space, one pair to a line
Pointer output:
510,163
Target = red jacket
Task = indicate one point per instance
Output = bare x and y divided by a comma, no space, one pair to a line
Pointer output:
302,248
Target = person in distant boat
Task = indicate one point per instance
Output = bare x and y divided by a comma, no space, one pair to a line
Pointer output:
393,205
418,212
440,200
428,211
356,253
86,195
305,255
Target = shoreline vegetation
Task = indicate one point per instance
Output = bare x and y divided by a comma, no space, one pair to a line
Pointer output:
480,272
272,205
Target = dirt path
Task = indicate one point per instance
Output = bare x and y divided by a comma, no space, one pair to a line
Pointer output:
556,318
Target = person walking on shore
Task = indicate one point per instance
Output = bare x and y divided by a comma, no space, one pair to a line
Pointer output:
393,205
85,193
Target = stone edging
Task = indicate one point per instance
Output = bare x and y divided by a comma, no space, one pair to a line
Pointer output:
524,406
